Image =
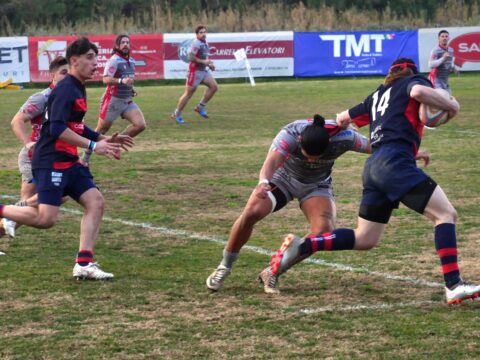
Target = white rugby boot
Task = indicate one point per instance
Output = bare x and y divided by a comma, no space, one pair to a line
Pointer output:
270,282
461,292
90,272
216,279
9,227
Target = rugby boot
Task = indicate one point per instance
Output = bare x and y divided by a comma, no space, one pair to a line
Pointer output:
216,279
270,282
462,291
178,119
90,272
201,112
9,227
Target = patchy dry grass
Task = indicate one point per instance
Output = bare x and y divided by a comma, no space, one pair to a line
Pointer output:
196,179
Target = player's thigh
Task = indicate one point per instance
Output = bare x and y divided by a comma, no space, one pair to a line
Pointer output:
210,81
48,214
92,199
134,115
368,234
320,212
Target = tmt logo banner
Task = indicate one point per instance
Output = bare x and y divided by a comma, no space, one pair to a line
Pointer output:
353,53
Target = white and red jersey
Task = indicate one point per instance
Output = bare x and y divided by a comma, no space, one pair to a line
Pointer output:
440,67
120,67
200,49
34,108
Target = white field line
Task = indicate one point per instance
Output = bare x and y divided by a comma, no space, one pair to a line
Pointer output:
351,308
191,235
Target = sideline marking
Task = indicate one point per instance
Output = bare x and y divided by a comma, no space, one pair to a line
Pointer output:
351,308
174,232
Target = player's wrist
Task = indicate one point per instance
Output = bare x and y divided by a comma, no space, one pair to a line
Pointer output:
120,80
264,181
92,145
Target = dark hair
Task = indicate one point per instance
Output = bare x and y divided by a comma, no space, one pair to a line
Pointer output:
315,138
400,68
79,47
56,63
443,32
200,27
119,38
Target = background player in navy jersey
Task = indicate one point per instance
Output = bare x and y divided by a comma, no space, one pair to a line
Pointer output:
56,168
298,165
199,72
441,62
119,75
391,176
31,112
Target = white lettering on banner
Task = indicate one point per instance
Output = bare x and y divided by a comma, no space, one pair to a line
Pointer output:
351,44
466,48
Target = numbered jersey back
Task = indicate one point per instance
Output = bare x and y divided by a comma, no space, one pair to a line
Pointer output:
391,113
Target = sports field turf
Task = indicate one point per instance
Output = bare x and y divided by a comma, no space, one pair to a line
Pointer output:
170,203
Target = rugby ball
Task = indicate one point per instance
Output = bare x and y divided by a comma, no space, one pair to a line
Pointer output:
431,116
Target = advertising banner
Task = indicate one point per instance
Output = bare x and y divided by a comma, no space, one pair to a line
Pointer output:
351,53
465,42
147,52
14,59
269,54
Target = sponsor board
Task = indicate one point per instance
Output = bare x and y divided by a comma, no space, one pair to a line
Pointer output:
14,59
465,42
351,53
147,52
269,54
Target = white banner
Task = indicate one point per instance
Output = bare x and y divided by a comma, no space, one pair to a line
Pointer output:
14,62
269,54
465,42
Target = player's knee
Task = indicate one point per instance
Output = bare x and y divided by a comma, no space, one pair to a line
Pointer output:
365,241
46,222
449,215
141,126
252,215
214,88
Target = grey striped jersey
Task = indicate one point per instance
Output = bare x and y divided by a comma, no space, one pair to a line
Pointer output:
200,50
440,69
118,68
287,143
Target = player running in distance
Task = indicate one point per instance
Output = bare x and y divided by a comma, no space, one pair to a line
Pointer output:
199,72
119,76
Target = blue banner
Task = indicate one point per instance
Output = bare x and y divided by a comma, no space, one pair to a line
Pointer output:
351,53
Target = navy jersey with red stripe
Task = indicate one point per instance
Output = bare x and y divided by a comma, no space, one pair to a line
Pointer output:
66,104
392,113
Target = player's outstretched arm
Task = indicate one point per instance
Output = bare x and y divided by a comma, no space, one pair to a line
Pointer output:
125,141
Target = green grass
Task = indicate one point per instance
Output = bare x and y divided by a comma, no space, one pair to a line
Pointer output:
196,178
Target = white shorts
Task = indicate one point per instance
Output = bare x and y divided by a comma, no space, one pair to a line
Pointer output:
292,188
195,77
25,165
113,107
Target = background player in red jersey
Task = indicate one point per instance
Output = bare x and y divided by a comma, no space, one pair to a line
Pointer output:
56,168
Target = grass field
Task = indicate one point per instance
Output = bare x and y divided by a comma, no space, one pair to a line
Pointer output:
170,204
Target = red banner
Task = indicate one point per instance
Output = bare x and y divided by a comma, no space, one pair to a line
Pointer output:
147,51
466,48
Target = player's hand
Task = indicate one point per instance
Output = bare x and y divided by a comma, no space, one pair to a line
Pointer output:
343,119
261,190
108,149
446,55
423,155
211,65
127,81
30,145
125,141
